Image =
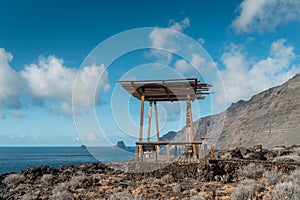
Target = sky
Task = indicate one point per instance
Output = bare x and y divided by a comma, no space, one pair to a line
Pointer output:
47,47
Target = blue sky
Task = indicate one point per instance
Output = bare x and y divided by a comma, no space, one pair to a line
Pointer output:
254,44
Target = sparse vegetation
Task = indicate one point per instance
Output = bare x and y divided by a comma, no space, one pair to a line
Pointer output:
272,176
294,157
123,195
251,171
13,179
197,198
76,181
245,190
286,191
60,195
28,197
63,190
47,179
168,178
294,176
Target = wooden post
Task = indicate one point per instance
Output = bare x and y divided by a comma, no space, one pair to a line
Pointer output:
212,151
168,153
187,125
142,117
205,151
149,121
192,127
187,130
157,129
137,153
141,153
155,154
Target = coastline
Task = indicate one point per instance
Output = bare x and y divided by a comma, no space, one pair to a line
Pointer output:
16,159
217,179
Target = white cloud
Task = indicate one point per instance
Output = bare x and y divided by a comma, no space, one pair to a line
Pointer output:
159,37
162,39
197,62
201,41
50,79
87,89
11,84
265,15
182,66
179,26
244,78
67,109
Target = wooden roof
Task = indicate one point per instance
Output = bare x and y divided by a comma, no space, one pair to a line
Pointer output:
167,90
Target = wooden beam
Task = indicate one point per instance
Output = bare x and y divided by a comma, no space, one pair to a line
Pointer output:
142,118
136,89
157,129
152,81
149,121
168,142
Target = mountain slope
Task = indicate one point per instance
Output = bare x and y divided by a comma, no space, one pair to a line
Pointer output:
270,118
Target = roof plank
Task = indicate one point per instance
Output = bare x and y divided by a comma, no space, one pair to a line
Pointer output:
167,90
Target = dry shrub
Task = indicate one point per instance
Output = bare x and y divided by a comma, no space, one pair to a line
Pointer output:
294,176
168,178
28,197
47,179
252,171
272,176
245,190
294,157
13,179
123,195
286,191
61,191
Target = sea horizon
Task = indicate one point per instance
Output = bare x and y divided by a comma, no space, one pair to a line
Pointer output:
18,158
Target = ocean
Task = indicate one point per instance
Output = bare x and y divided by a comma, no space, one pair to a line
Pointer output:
15,159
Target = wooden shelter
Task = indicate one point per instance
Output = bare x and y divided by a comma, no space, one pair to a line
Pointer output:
171,90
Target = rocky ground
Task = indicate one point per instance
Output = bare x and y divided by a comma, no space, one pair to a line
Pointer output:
271,175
